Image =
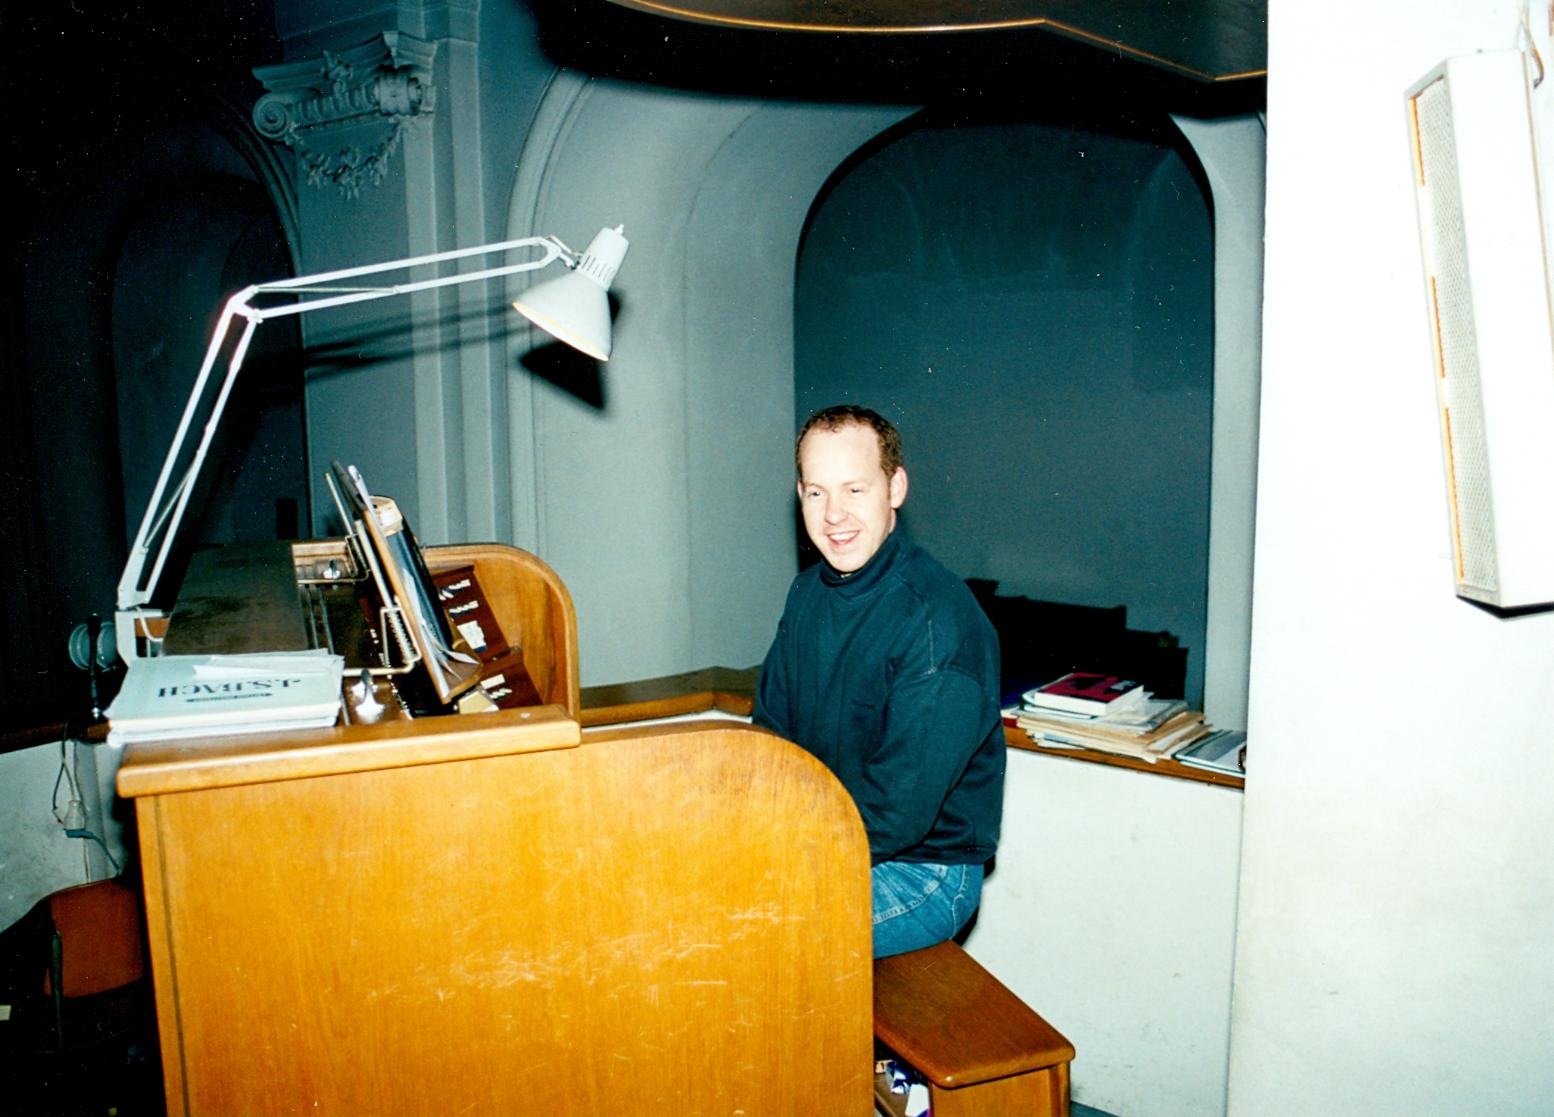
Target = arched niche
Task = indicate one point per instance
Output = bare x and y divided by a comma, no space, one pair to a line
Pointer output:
1031,299
91,317
182,250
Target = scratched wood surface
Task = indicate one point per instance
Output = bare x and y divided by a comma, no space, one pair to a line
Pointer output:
662,923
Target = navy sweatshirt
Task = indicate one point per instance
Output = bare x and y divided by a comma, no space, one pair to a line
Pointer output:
889,676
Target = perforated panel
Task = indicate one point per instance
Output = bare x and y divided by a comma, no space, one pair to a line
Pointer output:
1458,388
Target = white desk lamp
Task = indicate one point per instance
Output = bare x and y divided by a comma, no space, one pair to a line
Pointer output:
573,308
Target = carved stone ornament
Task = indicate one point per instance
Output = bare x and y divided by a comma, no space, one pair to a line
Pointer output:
385,82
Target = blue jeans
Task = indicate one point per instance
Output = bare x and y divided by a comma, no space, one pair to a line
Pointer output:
919,903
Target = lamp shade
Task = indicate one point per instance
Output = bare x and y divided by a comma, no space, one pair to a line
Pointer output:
575,307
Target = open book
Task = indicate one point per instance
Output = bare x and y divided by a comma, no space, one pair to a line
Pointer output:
410,612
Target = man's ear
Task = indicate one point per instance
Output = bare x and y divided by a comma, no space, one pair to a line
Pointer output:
898,487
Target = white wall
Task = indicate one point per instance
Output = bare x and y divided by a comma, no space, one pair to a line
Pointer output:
1112,913
36,856
1397,895
663,493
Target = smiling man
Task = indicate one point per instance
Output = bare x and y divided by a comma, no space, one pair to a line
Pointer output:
885,668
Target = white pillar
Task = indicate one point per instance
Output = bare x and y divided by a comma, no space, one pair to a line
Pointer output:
1231,151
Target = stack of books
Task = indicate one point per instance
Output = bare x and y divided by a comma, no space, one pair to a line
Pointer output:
1083,710
1223,750
182,696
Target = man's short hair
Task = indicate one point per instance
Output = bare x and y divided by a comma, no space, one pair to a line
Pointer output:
846,414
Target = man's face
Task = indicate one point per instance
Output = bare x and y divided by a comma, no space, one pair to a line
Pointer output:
849,504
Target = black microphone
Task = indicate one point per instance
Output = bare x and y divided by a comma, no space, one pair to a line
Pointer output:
94,627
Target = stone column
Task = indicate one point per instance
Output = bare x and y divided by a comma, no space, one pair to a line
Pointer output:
381,115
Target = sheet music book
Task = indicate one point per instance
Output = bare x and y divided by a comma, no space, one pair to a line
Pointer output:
179,696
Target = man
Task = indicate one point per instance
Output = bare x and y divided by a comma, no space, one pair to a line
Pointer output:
885,668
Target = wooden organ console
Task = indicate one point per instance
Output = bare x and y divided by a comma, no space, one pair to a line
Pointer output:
488,913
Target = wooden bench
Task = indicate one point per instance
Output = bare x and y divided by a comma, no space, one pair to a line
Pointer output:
982,1050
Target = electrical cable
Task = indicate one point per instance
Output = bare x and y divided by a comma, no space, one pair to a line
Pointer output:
69,773
108,853
65,775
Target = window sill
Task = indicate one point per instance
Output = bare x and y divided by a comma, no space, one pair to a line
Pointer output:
1170,769
732,691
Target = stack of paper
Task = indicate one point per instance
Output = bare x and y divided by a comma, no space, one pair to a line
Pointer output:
178,696
1144,727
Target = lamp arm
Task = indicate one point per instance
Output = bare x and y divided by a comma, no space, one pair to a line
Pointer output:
343,296
186,485
165,511
553,249
161,506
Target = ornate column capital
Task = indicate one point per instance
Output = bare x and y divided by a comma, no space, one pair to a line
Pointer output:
385,83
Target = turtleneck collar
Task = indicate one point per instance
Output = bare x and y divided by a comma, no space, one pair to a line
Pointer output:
869,575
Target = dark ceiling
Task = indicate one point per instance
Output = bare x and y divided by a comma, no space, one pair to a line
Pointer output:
1206,40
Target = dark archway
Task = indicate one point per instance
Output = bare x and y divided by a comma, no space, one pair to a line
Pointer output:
127,107
1032,302
184,250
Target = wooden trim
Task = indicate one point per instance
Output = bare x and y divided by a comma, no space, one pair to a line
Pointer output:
48,732
727,689
158,767
898,18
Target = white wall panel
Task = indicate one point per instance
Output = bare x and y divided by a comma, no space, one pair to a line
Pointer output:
1112,913
1398,857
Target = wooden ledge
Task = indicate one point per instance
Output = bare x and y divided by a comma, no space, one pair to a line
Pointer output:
728,689
46,731
158,767
1017,738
